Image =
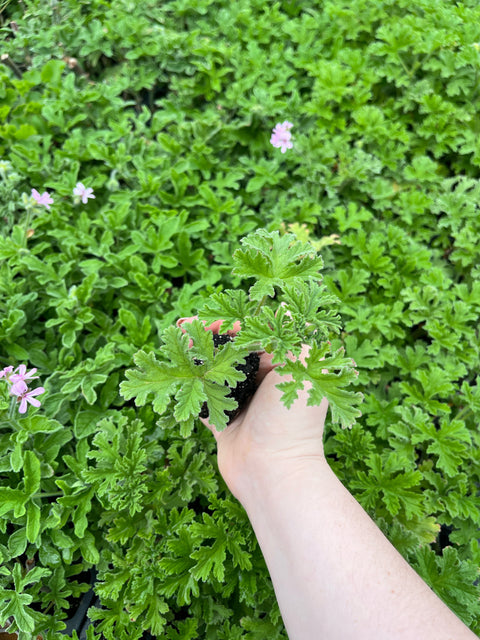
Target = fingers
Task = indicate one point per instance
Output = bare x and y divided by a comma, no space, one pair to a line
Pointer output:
214,327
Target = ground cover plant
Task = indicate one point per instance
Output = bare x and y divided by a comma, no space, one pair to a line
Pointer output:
140,142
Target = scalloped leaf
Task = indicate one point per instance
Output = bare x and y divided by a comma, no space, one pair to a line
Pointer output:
274,260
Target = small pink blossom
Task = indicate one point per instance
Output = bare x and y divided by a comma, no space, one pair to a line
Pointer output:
44,199
28,396
84,192
18,380
281,136
18,388
22,374
5,373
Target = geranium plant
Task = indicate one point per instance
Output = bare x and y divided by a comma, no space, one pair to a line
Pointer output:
285,307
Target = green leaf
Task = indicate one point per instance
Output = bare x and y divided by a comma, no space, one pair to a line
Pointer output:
17,542
32,474
52,72
190,398
40,424
451,442
88,384
153,377
272,333
12,500
385,479
210,560
202,343
175,348
16,457
33,522
274,260
218,403
222,370
89,549
329,384
451,579
230,306
305,300
18,608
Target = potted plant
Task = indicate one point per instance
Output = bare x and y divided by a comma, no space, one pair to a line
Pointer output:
202,374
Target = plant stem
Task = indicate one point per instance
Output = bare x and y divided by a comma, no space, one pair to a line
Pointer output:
11,408
48,495
460,415
27,224
259,306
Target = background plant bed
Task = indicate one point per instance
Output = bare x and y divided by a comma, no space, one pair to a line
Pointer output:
172,131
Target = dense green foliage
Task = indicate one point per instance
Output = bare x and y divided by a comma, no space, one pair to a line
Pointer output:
165,109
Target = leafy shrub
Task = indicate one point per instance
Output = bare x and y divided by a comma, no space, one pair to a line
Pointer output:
170,127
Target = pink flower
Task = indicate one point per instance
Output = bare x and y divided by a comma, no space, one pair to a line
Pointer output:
5,373
44,199
28,396
19,385
82,191
281,136
22,374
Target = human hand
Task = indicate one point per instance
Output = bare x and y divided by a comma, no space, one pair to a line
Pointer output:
265,435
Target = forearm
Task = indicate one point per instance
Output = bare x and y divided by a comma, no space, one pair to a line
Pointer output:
334,572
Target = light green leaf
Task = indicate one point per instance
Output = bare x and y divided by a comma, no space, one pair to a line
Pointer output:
151,377
12,500
16,457
18,608
17,542
218,403
274,260
33,522
329,384
190,398
40,424
223,367
31,471
210,559
230,306
202,342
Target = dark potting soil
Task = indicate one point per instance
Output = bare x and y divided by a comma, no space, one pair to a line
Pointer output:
245,389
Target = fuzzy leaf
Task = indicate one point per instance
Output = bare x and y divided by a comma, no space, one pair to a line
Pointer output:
274,334
218,403
31,471
190,398
329,385
451,579
231,305
202,343
17,606
223,368
305,301
274,260
451,441
12,500
152,377
33,522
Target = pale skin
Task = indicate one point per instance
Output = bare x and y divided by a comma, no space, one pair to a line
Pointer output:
335,575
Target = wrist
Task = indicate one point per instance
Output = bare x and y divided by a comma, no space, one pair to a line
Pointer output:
267,480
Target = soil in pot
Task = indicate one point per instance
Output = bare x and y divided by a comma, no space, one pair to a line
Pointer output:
244,389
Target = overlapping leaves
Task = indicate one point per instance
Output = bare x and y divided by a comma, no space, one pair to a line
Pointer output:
192,371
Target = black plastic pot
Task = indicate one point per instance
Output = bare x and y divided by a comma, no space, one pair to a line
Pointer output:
79,622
